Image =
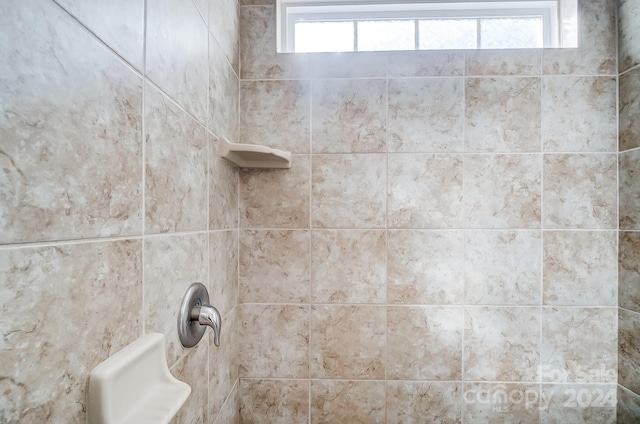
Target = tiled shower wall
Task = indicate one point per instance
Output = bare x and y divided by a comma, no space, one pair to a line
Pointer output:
112,198
448,229
629,242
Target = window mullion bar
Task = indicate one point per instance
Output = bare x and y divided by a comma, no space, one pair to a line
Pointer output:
417,35
478,34
355,36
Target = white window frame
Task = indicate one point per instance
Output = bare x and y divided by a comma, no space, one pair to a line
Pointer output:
292,11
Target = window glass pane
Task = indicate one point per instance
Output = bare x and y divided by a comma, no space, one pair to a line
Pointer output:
386,35
448,34
507,33
324,37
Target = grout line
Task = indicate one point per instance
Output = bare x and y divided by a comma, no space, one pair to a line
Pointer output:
143,190
464,240
428,77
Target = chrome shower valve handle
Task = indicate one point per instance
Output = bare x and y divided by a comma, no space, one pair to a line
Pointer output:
195,315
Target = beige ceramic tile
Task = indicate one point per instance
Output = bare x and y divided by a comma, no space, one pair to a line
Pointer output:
257,2
224,95
425,190
629,186
580,268
192,369
353,402
580,191
223,269
119,24
175,168
425,64
223,363
425,115
348,191
629,109
503,62
275,114
274,341
223,190
274,401
502,191
82,304
348,116
501,403
350,65
64,115
502,115
171,265
579,345
629,270
274,266
224,25
501,343
176,53
596,43
502,267
276,198
424,343
628,410
424,402
579,114
417,278
259,59
347,341
628,29
348,266
629,349
229,414
578,403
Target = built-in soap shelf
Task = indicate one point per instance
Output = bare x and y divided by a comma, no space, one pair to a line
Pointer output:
253,155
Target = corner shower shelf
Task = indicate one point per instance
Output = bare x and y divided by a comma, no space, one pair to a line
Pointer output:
253,156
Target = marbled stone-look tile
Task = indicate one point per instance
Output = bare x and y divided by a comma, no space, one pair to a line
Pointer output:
353,402
596,52
424,343
276,198
501,343
628,30
223,190
119,24
259,59
224,95
578,403
171,265
425,115
502,115
580,191
176,53
348,341
425,190
579,345
64,115
580,268
224,25
629,97
257,2
502,191
629,270
275,114
414,277
348,191
501,403
46,359
502,267
579,114
348,266
629,186
223,362
223,270
274,341
274,401
192,369
425,64
349,116
230,412
424,402
504,62
274,266
351,65
629,349
628,411
176,167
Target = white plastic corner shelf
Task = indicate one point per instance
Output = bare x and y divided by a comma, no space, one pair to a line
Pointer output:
253,156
